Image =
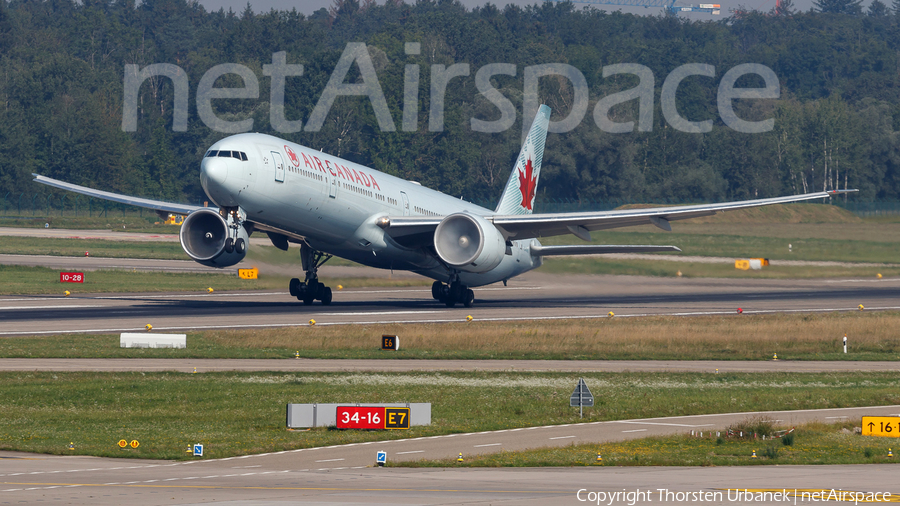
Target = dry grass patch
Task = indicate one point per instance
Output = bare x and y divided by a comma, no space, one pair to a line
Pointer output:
747,337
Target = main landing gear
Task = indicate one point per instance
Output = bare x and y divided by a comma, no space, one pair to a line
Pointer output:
453,293
311,289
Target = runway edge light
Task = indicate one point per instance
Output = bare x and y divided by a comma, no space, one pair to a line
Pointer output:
460,458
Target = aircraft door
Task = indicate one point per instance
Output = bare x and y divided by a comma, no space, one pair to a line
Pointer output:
279,166
332,188
405,200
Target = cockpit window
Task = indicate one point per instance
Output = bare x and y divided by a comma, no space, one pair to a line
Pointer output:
240,155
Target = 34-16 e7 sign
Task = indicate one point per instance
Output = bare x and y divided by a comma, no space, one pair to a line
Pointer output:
364,417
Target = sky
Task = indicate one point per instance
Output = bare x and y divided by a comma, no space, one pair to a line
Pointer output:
309,6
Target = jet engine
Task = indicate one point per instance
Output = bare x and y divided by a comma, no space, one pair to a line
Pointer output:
205,238
469,243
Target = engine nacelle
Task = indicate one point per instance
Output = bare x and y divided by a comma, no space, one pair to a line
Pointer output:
203,235
469,243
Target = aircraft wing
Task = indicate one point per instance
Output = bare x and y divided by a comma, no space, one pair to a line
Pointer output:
527,226
156,205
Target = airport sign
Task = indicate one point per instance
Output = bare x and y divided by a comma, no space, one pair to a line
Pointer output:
884,426
372,417
71,277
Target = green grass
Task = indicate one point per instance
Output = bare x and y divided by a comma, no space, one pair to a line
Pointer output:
734,245
664,268
243,413
812,444
872,336
133,221
96,247
22,280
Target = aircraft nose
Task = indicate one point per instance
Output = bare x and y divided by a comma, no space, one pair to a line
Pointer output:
213,170
213,174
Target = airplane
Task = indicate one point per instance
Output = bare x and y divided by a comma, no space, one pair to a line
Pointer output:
334,207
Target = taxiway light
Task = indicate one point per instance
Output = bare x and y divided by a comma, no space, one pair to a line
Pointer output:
469,318
340,287
754,455
861,307
599,458
878,275
87,253
209,290
460,458
610,314
890,453
678,274
296,354
123,443
67,293
312,322
740,310
71,445
775,356
148,327
135,443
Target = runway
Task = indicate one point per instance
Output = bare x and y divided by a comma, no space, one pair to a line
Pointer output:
533,296
343,474
305,365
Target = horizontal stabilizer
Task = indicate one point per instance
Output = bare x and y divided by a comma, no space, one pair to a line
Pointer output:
597,249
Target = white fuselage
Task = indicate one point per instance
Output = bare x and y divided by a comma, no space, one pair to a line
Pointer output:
334,204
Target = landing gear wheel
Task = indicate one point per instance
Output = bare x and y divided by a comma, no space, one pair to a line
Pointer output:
240,246
229,245
308,299
294,287
468,298
450,302
326,296
436,290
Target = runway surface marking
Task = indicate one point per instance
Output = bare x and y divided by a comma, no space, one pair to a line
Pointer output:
44,486
439,320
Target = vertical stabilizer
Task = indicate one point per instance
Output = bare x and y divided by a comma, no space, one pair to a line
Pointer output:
518,196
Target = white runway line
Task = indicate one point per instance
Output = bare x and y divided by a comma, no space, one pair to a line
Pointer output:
563,437
491,444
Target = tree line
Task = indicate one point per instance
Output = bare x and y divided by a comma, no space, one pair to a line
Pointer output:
835,121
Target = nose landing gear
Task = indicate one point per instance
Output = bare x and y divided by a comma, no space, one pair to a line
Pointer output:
311,289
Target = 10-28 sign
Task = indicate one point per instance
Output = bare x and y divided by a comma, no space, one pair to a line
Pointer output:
375,417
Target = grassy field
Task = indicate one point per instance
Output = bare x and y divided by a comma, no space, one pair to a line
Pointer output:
814,443
96,247
243,413
658,268
20,280
872,336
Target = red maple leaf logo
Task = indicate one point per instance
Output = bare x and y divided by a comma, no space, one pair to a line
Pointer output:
528,185
292,156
